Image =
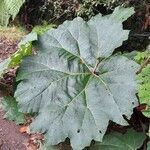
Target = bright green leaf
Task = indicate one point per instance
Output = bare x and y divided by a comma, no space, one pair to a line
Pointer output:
42,28
141,57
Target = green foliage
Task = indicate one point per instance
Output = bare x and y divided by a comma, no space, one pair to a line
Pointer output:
87,8
4,16
148,133
9,105
9,9
131,140
16,58
49,10
144,89
148,146
143,79
75,80
42,28
141,57
25,49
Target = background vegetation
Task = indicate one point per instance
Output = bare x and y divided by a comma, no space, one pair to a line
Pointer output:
34,18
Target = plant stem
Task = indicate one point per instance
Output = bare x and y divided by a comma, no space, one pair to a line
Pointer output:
94,69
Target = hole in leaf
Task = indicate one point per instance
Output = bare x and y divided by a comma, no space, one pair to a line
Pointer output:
100,131
96,73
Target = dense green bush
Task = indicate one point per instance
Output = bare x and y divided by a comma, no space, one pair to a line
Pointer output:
57,11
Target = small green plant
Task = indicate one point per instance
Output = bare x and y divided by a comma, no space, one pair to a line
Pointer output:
141,57
9,105
144,81
75,84
87,8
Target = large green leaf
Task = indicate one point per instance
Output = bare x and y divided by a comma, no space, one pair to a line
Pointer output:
9,8
131,140
148,146
75,85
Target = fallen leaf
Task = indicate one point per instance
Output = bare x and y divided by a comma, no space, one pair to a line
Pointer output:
25,129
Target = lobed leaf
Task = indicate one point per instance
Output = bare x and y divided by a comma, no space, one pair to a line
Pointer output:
75,84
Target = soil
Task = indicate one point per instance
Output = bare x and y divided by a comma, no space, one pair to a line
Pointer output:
10,137
7,47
